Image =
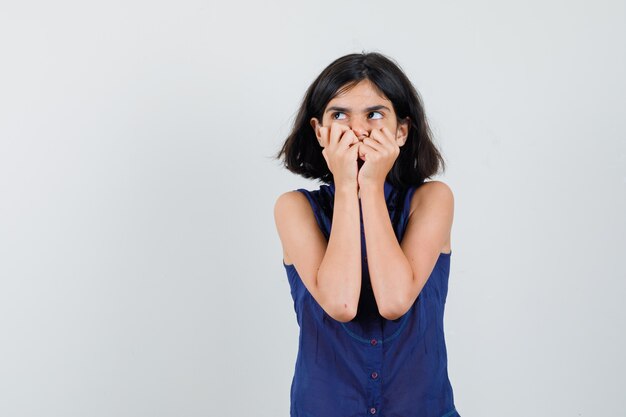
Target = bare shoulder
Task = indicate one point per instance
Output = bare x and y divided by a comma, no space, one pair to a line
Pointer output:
433,204
289,200
291,207
296,226
433,192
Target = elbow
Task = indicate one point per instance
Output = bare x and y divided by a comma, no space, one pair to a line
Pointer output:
344,313
396,306
394,312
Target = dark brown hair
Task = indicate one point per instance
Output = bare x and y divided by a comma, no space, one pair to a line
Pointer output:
418,159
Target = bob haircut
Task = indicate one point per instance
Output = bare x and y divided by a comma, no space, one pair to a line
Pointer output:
418,159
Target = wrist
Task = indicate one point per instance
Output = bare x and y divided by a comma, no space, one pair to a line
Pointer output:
372,186
346,187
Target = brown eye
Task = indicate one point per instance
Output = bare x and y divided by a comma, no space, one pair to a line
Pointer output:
336,114
378,115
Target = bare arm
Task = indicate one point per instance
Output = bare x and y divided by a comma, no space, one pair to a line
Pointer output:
331,270
398,272
339,276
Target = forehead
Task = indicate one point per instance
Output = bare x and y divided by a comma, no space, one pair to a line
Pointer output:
364,91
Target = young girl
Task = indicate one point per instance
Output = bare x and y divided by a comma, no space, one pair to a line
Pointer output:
367,255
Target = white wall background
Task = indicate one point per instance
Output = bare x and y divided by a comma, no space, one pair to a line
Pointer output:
140,269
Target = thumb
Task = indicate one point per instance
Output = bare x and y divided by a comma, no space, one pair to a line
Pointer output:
354,150
324,154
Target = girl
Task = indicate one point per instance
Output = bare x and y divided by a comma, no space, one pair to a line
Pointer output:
367,255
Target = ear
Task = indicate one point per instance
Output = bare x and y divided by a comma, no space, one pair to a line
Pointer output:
402,132
316,125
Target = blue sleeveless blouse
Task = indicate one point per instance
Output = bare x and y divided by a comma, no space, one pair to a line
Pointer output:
371,366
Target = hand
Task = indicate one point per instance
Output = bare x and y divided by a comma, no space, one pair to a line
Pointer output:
341,153
379,151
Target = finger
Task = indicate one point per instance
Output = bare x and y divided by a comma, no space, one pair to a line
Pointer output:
325,155
364,149
336,130
384,137
387,132
374,144
324,136
393,137
381,135
348,138
354,150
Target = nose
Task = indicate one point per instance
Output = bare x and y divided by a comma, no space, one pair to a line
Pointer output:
360,129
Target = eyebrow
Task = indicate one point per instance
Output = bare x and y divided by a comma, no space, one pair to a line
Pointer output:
367,110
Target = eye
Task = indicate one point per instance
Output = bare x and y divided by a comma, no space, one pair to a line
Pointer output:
336,114
377,115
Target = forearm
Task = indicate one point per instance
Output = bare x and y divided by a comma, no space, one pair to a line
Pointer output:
339,275
389,270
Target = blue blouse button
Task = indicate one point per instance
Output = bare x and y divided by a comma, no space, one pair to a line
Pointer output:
373,410
373,342
374,375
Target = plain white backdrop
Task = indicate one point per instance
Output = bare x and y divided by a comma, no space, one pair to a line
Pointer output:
140,268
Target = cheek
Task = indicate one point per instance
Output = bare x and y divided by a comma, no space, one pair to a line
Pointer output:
392,126
378,124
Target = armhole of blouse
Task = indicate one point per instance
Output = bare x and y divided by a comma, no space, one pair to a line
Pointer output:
315,208
407,202
406,209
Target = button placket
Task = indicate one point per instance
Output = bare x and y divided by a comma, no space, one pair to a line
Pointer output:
374,378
